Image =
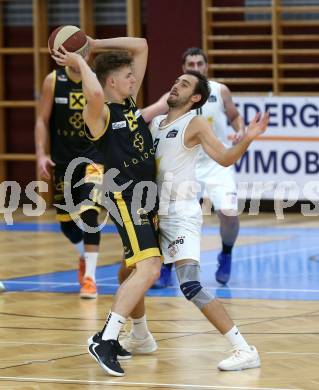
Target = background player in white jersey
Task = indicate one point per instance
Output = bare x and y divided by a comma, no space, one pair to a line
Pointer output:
177,140
218,182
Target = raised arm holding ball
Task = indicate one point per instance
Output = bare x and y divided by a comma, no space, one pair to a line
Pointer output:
60,128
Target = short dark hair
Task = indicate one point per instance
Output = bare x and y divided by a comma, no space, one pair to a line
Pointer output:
201,88
109,61
193,51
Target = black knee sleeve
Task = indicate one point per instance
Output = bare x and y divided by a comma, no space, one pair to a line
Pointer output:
90,218
189,279
71,230
190,289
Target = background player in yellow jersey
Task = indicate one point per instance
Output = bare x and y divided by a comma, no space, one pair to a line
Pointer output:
121,134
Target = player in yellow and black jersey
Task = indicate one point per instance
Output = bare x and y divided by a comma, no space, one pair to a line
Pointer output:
126,144
67,133
122,136
60,123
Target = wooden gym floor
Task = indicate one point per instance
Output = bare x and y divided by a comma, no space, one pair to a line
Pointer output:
272,296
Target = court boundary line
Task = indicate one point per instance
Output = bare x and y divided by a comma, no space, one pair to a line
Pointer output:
159,348
128,383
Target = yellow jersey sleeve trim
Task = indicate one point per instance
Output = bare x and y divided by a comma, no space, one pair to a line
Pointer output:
53,81
108,115
68,73
133,101
142,255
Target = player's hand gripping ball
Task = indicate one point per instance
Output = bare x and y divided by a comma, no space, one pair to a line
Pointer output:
71,37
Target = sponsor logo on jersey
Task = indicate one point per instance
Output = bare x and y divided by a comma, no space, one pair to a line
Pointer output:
138,142
144,155
62,77
118,125
137,113
76,120
76,100
212,99
61,100
172,134
173,246
131,119
94,173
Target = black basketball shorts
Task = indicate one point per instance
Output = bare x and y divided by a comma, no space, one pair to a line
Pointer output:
137,227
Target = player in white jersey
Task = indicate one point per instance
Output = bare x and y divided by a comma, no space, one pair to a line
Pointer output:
217,182
177,140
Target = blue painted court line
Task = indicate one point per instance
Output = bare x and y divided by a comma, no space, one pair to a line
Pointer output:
271,270
44,227
54,227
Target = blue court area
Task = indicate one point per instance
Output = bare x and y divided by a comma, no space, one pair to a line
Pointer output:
284,266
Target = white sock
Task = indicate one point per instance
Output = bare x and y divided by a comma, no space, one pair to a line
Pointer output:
139,327
80,248
90,264
236,339
114,324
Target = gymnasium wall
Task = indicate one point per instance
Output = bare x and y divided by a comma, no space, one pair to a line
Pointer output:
161,27
169,30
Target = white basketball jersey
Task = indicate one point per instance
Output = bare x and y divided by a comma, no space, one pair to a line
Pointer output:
175,162
213,110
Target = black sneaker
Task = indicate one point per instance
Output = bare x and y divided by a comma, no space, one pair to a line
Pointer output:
95,339
122,354
105,353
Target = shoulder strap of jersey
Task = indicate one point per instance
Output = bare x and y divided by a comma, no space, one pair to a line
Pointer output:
107,121
54,74
132,101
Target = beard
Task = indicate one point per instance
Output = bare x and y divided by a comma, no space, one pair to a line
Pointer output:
176,101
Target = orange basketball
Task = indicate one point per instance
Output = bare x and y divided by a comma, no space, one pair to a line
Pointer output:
71,37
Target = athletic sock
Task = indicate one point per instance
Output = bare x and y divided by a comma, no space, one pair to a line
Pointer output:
227,249
139,327
113,326
90,264
80,248
236,339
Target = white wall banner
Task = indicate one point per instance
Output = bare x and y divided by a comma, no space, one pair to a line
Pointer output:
284,162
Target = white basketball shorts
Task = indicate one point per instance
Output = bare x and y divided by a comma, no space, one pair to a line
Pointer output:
180,231
218,185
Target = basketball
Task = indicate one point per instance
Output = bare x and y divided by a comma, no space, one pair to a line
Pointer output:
71,37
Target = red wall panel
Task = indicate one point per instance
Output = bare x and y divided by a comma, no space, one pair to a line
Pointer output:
170,28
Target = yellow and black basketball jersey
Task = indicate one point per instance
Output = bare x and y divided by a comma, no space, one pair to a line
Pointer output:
127,145
67,132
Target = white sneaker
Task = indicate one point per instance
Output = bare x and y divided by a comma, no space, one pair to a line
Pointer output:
241,360
137,346
2,288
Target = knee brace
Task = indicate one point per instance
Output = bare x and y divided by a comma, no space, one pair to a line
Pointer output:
71,230
90,218
189,280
